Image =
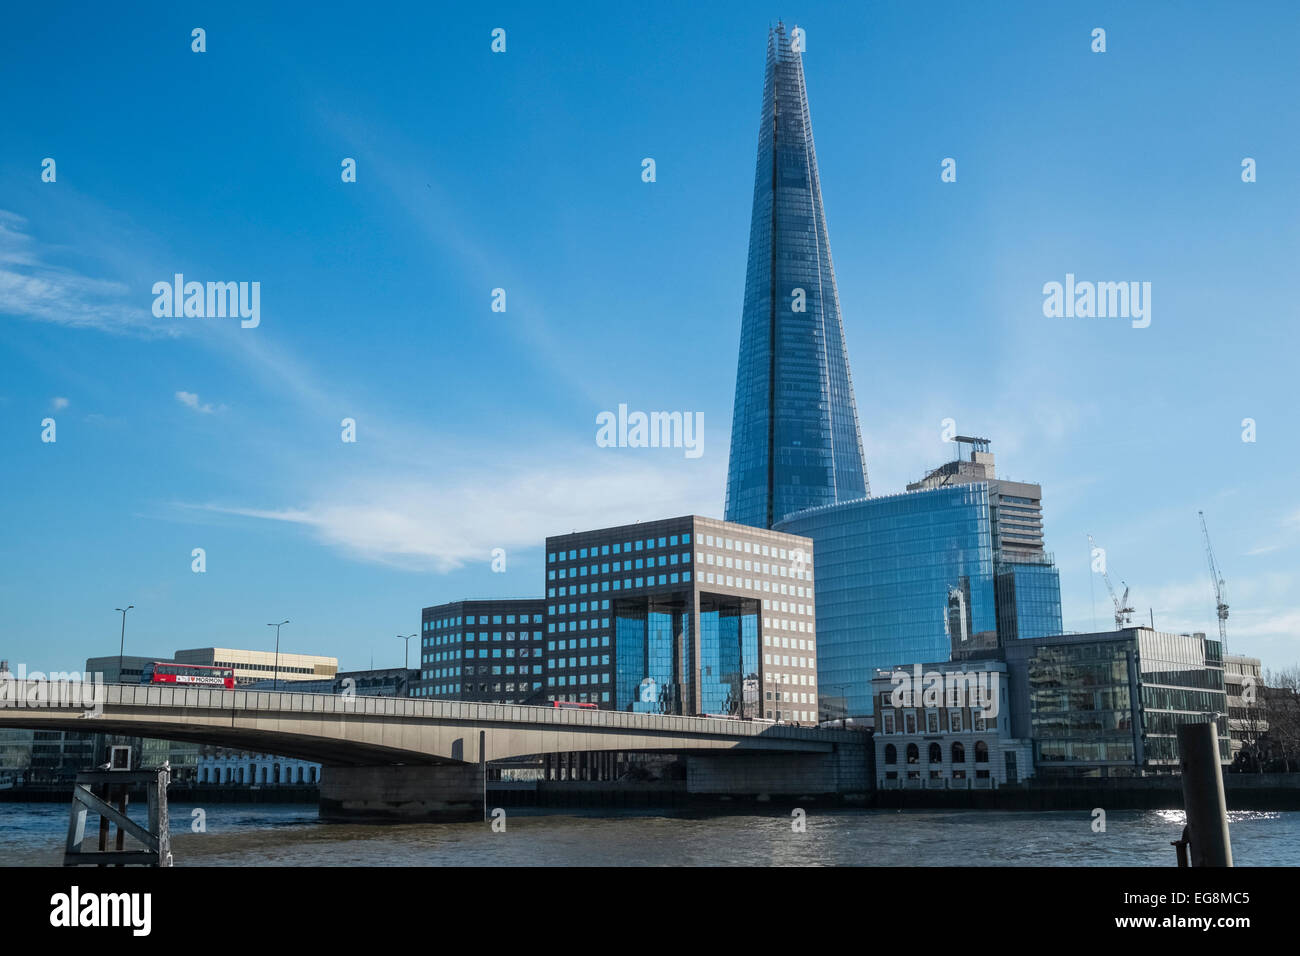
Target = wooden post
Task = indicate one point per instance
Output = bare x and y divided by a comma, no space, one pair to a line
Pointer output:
156,839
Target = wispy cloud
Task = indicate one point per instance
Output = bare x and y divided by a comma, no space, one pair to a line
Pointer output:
58,403
33,288
412,525
191,400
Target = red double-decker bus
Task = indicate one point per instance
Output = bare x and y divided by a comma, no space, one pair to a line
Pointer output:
189,675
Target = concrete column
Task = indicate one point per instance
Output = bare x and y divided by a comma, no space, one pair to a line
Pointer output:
449,792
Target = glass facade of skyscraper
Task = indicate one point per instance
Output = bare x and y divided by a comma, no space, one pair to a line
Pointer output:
795,440
1029,599
900,580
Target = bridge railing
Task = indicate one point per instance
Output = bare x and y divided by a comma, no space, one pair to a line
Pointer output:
203,698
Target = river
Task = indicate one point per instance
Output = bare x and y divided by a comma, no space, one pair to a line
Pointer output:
32,834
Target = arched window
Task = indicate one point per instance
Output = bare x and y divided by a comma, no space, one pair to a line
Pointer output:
891,754
936,753
958,753
913,754
981,752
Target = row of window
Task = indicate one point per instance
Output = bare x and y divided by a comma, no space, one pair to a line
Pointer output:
565,680
563,627
580,607
468,637
956,723
445,622
436,690
803,716
438,673
797,571
626,584
935,753
558,663
663,560
577,643
483,653
803,680
670,541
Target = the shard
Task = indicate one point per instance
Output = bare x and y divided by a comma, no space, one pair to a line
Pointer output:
795,439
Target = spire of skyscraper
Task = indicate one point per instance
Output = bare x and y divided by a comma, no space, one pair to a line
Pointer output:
795,439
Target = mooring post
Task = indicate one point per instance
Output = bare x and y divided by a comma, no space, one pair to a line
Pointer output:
114,785
482,767
1203,796
103,821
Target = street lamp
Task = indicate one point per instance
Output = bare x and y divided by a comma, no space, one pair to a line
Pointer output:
406,661
277,651
122,646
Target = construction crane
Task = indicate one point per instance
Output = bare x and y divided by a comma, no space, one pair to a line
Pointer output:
1220,598
1123,613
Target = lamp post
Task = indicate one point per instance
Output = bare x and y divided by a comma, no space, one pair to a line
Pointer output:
122,646
406,659
277,651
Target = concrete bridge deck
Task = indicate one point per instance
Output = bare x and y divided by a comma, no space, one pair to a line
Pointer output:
404,758
337,730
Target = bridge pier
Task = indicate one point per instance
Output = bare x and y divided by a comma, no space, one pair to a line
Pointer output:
408,794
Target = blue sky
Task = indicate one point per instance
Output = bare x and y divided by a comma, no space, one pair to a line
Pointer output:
522,170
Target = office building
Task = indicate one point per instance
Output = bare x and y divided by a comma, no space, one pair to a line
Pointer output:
250,666
1109,704
901,579
795,440
482,650
1247,714
1027,583
685,615
947,725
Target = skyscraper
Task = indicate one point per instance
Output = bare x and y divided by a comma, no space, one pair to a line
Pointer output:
795,440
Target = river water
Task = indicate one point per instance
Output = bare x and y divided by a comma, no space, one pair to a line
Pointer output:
32,834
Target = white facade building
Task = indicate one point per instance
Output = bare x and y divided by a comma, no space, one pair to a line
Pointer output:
242,768
947,727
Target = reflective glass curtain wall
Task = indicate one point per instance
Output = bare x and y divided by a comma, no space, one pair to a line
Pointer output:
889,571
795,439
646,681
1029,600
729,676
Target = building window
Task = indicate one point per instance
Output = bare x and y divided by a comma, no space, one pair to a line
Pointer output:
891,753
982,754
958,753
936,753
913,754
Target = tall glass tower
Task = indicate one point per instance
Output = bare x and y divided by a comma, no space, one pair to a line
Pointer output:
795,440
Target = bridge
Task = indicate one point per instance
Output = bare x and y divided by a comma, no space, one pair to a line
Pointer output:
407,758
